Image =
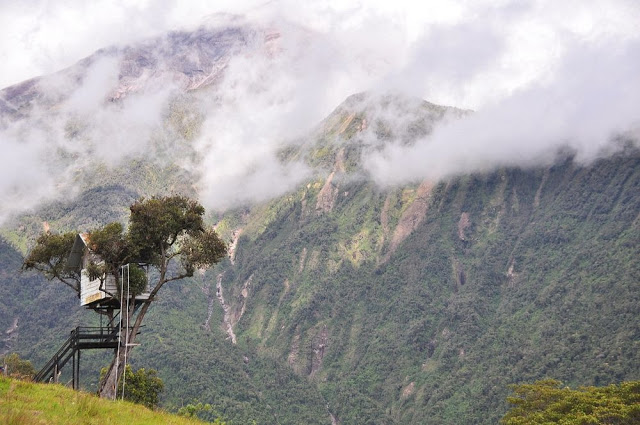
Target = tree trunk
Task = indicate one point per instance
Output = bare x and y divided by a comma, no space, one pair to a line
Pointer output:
129,331
108,388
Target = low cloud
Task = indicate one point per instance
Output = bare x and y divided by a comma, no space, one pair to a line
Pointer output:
592,100
22,188
73,127
541,77
273,94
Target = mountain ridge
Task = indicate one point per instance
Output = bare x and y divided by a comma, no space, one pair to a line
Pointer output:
350,302
191,60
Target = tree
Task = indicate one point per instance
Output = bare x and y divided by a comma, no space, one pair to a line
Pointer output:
142,386
167,234
547,401
16,367
206,412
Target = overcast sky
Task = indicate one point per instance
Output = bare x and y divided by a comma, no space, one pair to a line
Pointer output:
465,52
540,76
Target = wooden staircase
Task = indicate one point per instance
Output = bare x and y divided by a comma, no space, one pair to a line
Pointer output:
81,338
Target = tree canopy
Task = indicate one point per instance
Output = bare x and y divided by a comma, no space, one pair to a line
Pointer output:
49,256
160,229
142,386
549,402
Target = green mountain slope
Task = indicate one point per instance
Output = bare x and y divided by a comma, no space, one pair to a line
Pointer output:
480,282
354,304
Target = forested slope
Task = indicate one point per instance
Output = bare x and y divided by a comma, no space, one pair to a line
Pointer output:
421,304
362,304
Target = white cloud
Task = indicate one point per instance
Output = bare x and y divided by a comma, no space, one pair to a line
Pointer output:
24,174
42,37
540,75
593,97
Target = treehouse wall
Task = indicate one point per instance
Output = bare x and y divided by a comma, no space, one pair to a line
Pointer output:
90,290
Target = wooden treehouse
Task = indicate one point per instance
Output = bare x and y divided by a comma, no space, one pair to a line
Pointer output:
98,293
103,296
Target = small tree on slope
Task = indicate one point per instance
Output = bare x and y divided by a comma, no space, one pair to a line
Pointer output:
167,234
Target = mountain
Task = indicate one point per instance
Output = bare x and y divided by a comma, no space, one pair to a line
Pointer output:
189,60
343,301
420,304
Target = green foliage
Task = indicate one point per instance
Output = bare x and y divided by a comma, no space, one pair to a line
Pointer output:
163,228
142,386
203,411
543,283
159,230
17,367
110,244
96,270
199,364
157,223
201,250
547,401
49,256
137,279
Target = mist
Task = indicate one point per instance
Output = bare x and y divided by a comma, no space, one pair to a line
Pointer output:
541,78
588,108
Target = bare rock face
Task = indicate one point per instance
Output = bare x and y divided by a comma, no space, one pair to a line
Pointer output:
408,390
308,361
185,60
463,224
318,347
189,60
327,196
412,217
235,236
12,98
240,304
329,192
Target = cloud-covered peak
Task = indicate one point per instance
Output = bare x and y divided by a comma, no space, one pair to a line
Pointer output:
220,100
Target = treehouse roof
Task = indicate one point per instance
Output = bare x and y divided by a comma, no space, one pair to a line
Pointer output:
80,245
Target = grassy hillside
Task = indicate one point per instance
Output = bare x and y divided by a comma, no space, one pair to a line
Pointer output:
25,403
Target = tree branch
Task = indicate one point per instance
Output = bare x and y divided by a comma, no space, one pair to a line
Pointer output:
178,277
53,274
73,285
173,255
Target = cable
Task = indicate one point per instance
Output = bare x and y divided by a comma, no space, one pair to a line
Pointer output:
126,345
115,393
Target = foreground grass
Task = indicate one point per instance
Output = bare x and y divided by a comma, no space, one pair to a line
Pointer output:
25,403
